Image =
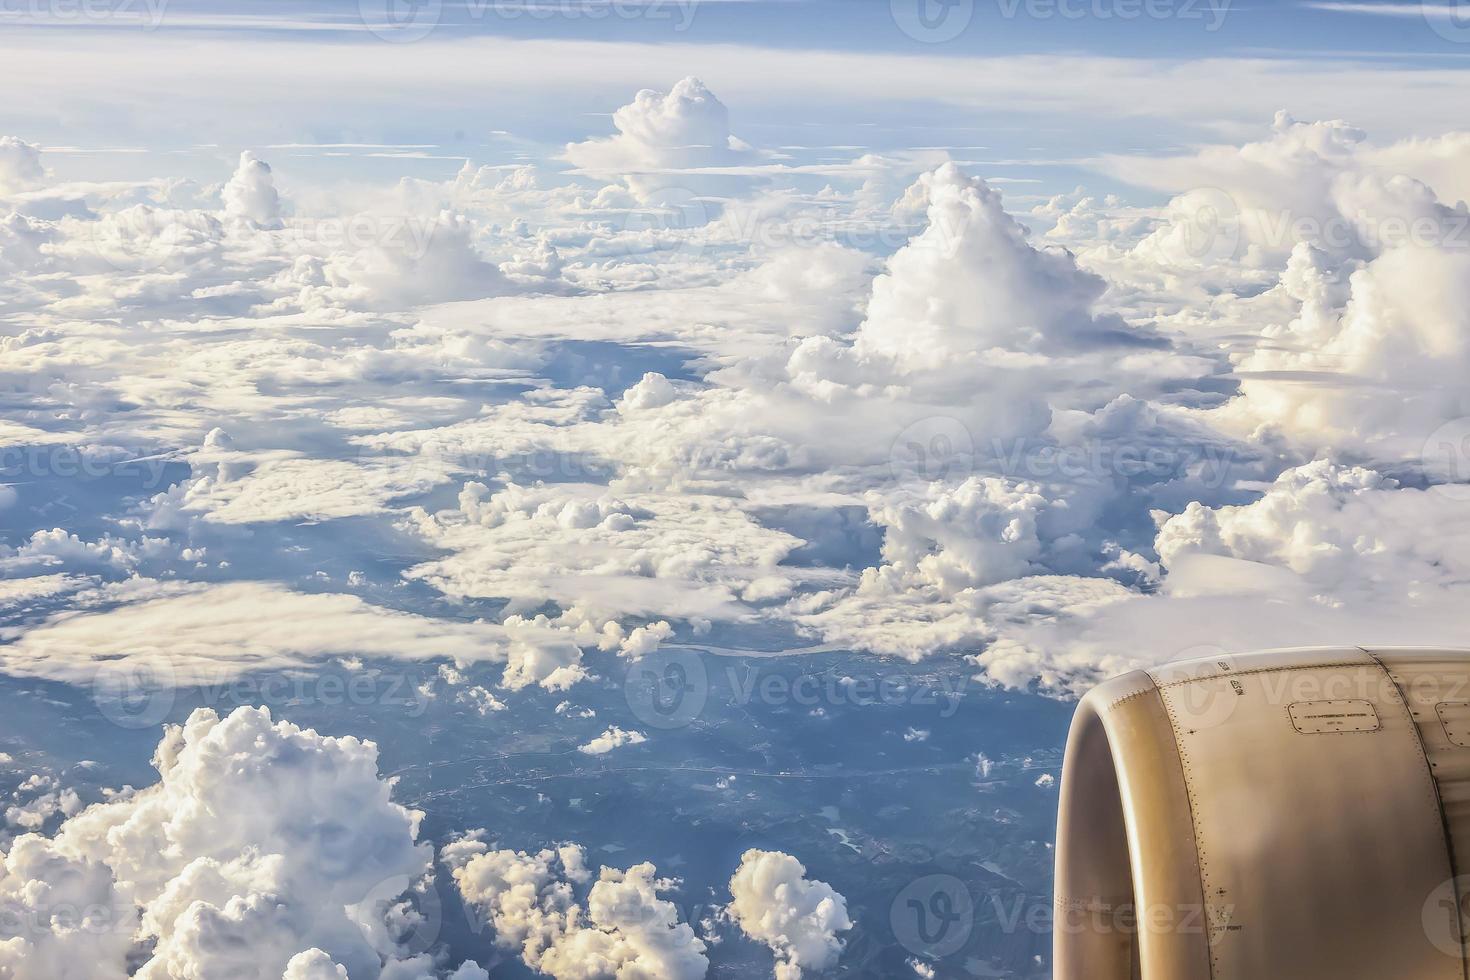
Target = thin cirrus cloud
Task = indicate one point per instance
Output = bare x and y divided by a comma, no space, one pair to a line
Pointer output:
1424,9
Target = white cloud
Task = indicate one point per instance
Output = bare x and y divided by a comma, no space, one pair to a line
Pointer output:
661,395
613,738
763,438
194,634
439,263
951,539
1347,531
250,194
652,391
824,285
45,801
18,591
644,640
942,547
72,921
540,905
555,665
1364,247
1372,366
232,486
1329,554
313,964
663,139
20,165
598,556
776,904
480,699
264,850
143,239
970,282
58,547
861,414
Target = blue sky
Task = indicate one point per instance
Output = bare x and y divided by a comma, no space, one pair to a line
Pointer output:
1022,88
1135,28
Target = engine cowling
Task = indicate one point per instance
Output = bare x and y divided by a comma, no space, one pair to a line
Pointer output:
1293,814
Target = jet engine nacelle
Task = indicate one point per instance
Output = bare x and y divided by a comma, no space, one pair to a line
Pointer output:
1295,814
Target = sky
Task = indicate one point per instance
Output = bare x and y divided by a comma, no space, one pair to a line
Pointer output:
1027,89
542,346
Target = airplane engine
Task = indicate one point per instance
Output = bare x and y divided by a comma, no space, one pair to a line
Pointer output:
1295,814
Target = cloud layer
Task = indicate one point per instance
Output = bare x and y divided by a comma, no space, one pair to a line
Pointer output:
263,850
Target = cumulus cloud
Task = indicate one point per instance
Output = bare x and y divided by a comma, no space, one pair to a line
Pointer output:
601,558
823,284
1372,361
541,906
264,850
776,904
664,140
437,262
1351,254
1347,531
554,665
250,194
973,337
613,738
653,390
37,800
971,321
65,917
1328,554
481,699
313,964
20,165
971,282
977,533
942,546
24,244
860,419
1305,180
143,239
58,547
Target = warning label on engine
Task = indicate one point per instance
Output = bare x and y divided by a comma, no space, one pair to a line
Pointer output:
1329,717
